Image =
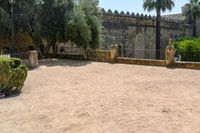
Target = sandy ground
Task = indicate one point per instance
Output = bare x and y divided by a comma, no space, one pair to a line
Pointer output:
67,96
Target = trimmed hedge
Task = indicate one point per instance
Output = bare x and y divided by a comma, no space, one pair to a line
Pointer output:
12,75
188,48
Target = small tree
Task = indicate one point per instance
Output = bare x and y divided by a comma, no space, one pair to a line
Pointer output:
93,18
53,17
84,29
78,31
192,10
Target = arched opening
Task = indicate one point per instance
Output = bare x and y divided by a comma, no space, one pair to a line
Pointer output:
140,46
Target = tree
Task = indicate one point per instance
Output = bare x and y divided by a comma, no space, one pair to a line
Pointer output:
53,17
25,18
4,22
192,10
78,31
84,29
93,18
159,6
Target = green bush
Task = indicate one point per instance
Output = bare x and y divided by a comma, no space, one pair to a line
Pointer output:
189,48
12,75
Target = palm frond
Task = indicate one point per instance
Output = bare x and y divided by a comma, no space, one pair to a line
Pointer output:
159,5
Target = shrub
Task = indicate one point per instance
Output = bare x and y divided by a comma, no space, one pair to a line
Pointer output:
12,75
189,48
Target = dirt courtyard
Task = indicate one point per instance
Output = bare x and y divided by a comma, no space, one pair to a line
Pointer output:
65,96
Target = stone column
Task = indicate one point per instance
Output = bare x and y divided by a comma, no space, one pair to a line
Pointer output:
33,59
113,53
169,54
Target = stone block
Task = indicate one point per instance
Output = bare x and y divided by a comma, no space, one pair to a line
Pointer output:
33,59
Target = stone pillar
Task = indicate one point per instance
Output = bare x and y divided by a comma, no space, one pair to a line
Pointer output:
169,54
33,59
113,54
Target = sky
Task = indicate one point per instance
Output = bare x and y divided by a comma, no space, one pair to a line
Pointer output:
136,6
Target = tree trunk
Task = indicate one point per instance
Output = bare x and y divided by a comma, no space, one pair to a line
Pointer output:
55,48
85,53
158,19
40,53
38,45
194,26
47,48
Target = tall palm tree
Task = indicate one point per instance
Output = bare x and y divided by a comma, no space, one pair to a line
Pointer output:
159,6
192,10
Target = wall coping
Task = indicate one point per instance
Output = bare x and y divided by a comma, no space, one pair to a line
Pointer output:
148,62
136,15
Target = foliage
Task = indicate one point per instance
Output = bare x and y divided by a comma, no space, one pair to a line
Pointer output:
158,5
12,75
26,17
84,29
53,17
188,48
192,10
78,30
93,18
55,21
28,13
4,22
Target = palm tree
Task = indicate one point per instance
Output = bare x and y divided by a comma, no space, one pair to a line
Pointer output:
192,10
159,6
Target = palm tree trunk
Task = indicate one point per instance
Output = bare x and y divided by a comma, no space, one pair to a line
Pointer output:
158,29
194,27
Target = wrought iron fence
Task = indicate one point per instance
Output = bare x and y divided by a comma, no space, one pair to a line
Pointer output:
143,54
189,56
5,55
21,55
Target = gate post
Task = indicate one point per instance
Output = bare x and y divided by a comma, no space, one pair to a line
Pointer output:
169,54
113,54
33,59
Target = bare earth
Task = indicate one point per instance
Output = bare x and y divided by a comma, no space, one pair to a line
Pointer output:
66,96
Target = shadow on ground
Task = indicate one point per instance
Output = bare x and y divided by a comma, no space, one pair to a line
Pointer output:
63,62
12,96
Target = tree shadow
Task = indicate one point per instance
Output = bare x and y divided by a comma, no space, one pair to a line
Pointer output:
11,96
62,62
171,68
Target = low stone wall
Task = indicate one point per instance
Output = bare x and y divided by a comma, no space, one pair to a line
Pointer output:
141,61
188,65
22,40
66,56
99,55
110,56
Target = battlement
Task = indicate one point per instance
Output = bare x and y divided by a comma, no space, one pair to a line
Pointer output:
137,15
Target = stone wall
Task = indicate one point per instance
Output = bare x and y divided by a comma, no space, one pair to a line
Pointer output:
133,32
106,56
23,42
99,55
146,62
